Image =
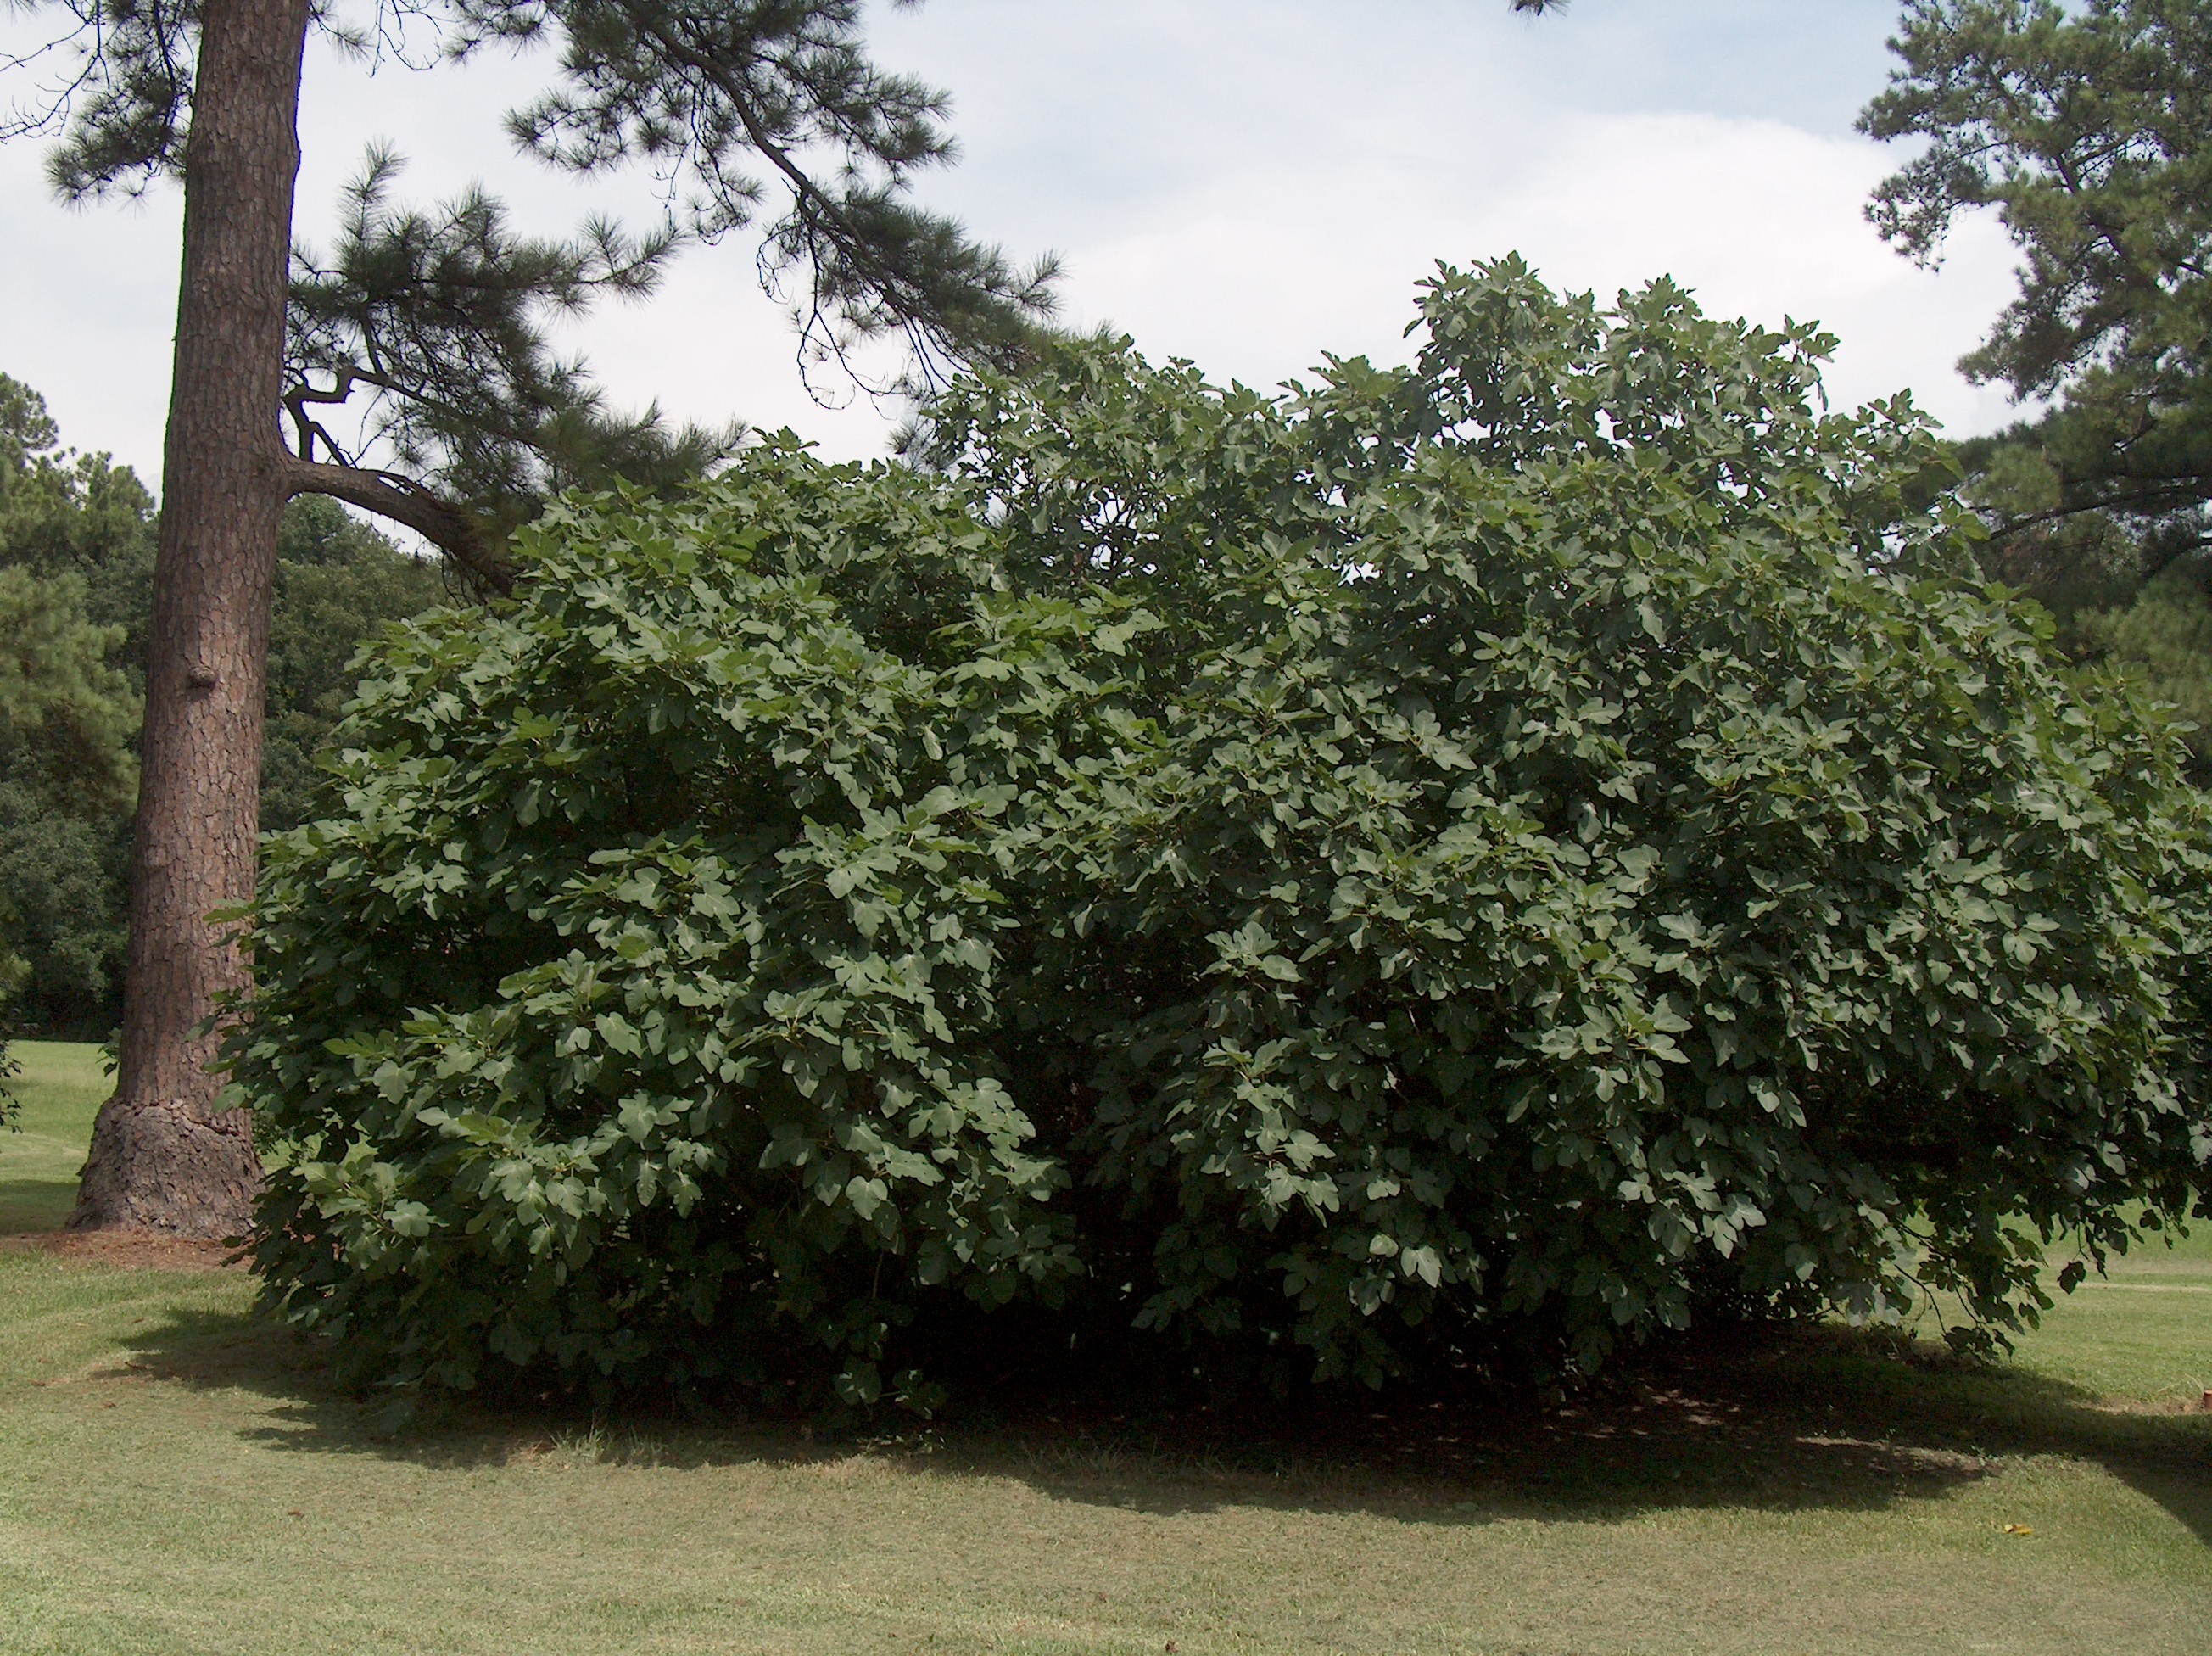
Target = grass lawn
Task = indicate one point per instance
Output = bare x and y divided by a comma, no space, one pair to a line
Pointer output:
179,1479
60,1089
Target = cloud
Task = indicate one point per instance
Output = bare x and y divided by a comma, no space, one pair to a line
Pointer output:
1255,269
90,309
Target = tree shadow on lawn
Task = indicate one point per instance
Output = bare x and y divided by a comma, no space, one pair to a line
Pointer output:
34,1204
1770,1420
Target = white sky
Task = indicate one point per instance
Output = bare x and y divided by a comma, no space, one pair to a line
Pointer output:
1247,183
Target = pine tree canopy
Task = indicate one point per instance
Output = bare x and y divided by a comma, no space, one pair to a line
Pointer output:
2088,129
428,328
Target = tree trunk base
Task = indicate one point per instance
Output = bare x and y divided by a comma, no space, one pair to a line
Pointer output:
162,1166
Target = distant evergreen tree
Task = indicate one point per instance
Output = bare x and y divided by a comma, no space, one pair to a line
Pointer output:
67,777
76,563
339,582
2089,128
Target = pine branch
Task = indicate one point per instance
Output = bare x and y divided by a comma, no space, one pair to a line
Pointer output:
446,526
440,318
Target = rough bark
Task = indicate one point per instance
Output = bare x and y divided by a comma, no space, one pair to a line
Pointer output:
165,1157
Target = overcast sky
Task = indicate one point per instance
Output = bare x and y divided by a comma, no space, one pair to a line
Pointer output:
1247,183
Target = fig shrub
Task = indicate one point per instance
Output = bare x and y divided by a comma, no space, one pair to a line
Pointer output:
1448,866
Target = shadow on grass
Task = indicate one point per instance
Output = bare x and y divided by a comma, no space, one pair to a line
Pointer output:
1769,1420
34,1204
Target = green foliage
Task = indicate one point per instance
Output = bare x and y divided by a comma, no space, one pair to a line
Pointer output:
76,550
2086,127
66,513
76,563
339,584
66,714
63,877
1471,863
441,316
654,962
2162,640
67,717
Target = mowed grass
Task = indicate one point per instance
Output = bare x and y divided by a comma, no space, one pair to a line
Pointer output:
180,1478
60,1089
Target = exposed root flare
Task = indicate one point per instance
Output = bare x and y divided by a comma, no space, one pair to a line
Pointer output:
165,1167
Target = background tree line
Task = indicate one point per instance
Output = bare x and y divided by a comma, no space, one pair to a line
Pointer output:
2085,129
77,569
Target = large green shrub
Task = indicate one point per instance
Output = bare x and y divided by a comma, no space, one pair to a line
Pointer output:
1492,857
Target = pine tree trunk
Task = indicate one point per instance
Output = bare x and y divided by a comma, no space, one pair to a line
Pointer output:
164,1156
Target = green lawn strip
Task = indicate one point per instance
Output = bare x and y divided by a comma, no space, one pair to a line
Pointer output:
2139,1333
61,1088
2144,1334
160,1441
183,1478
